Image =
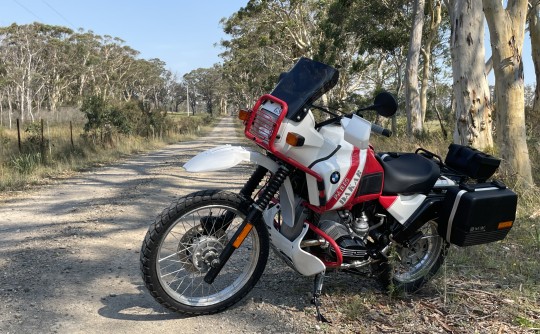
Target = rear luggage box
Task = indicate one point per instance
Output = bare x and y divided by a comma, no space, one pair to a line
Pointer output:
477,214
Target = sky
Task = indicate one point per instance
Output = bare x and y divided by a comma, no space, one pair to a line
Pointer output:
183,33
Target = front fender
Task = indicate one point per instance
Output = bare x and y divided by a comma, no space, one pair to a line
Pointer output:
225,157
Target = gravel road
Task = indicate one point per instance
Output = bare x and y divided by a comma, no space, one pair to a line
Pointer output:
69,253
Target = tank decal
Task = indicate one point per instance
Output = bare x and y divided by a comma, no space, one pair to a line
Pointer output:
349,183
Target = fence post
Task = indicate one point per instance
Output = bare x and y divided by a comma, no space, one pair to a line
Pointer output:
19,135
42,143
71,134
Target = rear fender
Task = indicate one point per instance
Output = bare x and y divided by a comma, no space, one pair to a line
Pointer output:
225,157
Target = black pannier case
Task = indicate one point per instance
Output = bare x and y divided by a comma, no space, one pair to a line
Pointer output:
471,162
477,214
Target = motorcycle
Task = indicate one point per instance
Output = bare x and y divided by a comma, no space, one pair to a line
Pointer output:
322,199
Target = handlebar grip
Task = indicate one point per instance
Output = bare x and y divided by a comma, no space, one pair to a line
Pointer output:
380,130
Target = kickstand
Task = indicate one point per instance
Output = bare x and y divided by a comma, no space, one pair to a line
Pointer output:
317,288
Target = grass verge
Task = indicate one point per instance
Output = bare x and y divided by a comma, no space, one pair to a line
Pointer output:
40,161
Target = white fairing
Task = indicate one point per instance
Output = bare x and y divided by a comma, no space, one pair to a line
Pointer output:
328,152
225,157
404,206
305,263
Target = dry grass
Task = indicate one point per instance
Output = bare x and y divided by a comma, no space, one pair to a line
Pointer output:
493,288
37,164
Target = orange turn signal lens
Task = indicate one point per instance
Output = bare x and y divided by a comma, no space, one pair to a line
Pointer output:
503,225
244,114
294,139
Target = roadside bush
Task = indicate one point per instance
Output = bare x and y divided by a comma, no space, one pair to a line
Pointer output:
25,163
127,118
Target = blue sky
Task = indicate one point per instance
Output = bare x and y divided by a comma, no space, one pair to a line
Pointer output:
182,33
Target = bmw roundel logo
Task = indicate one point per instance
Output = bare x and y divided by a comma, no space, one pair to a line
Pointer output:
334,178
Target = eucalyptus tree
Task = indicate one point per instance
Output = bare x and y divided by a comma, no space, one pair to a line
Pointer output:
366,40
434,7
60,78
266,38
24,49
507,30
472,99
206,82
86,61
412,93
534,31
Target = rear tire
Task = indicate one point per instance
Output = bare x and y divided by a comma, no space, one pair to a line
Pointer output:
408,269
177,252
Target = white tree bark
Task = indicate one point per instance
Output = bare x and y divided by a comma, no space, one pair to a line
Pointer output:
436,17
412,94
534,30
471,90
507,30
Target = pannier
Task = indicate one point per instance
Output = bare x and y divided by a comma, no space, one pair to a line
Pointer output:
471,162
474,214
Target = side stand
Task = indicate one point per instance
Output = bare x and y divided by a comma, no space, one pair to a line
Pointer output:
317,289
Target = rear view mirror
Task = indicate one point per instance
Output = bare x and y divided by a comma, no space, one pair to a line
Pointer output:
385,104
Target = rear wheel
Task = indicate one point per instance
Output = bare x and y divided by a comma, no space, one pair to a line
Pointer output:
181,244
409,268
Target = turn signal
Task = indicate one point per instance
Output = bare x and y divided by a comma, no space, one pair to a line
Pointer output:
244,114
507,224
294,139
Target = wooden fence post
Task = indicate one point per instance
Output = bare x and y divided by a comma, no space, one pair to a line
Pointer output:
19,135
43,152
71,134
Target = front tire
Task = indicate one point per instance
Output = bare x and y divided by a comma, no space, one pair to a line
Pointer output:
180,246
409,268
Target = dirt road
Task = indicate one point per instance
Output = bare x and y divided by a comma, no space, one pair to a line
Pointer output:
69,253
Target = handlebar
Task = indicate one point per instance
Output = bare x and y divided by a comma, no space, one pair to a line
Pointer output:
380,130
374,127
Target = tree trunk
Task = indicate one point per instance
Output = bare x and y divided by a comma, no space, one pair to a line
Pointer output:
473,107
435,6
534,30
507,30
412,96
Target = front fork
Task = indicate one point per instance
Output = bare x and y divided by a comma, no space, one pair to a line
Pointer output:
253,217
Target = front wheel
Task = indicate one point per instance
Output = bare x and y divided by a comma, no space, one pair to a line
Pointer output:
181,244
409,268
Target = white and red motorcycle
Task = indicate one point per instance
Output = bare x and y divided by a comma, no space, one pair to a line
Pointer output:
328,202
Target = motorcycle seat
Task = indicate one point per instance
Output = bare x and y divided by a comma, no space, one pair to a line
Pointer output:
408,173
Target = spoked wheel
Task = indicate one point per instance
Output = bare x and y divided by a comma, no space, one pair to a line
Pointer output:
186,239
411,267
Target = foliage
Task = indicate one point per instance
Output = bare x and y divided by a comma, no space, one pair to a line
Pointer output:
128,118
45,66
25,163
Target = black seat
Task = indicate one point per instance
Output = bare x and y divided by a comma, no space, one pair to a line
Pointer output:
408,173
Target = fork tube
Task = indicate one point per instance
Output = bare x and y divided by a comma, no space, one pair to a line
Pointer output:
253,217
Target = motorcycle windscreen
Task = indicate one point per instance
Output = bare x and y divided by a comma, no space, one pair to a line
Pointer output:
303,84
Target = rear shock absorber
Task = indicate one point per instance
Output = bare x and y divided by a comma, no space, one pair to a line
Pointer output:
253,217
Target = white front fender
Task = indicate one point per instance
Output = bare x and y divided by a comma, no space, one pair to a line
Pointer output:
225,157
